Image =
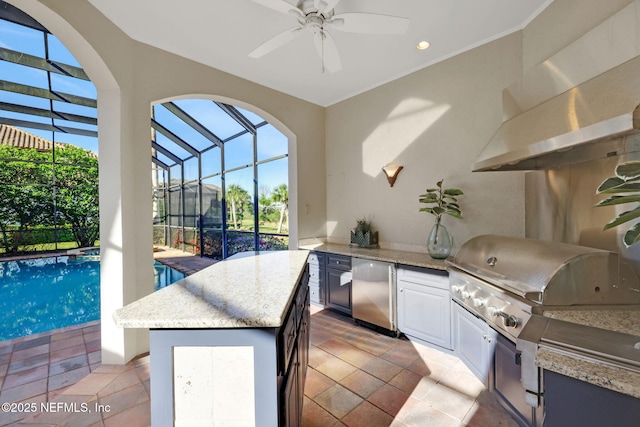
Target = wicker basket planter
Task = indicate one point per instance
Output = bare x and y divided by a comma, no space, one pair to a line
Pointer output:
364,240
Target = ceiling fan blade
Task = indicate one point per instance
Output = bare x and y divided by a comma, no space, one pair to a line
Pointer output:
275,42
327,50
369,23
325,5
279,6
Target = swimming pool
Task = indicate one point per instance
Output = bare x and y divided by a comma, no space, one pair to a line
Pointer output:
42,294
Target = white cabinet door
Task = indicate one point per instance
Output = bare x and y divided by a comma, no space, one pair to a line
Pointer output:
424,313
424,306
474,342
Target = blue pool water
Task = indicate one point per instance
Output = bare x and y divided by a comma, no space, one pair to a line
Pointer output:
42,294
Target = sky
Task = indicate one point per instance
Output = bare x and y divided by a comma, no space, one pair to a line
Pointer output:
271,143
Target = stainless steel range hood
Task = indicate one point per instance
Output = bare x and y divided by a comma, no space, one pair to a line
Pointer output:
596,119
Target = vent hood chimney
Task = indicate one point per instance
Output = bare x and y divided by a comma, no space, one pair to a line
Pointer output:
598,118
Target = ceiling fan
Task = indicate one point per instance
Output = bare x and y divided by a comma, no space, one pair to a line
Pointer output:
318,16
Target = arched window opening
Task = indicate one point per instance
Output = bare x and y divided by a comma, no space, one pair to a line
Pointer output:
48,141
220,177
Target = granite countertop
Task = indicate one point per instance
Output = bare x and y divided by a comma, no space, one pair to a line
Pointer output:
416,259
243,292
622,319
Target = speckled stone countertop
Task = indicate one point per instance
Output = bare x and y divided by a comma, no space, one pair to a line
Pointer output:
416,259
611,376
245,292
624,319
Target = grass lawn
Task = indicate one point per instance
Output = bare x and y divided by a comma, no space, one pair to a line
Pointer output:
48,247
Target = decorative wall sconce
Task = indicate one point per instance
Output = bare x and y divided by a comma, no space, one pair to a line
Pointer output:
391,170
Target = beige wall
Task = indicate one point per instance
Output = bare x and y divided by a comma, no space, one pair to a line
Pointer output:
436,122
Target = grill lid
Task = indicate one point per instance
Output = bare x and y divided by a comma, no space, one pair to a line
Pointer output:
548,273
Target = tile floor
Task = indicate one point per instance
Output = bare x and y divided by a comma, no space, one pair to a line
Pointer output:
356,377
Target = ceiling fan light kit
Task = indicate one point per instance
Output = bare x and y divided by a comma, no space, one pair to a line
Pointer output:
317,16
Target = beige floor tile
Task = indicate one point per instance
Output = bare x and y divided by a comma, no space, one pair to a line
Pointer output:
316,383
429,369
336,368
124,400
362,383
449,401
313,415
389,399
416,413
463,382
375,345
124,380
138,416
487,412
317,356
402,355
406,381
91,384
356,357
335,346
381,368
367,415
338,401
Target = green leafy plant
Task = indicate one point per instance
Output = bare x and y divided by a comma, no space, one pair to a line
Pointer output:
443,201
363,234
363,226
625,187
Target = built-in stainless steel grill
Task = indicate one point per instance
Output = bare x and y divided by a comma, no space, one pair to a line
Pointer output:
508,283
504,279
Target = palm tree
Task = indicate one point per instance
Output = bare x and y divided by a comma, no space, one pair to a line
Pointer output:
236,196
280,196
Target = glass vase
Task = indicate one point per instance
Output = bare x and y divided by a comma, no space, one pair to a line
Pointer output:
439,243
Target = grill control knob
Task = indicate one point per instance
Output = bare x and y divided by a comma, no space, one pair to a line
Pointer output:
510,321
478,302
457,288
493,311
466,295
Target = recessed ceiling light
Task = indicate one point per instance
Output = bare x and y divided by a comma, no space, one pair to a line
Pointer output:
423,45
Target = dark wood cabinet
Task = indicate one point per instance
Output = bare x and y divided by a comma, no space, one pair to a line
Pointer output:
293,351
338,280
330,281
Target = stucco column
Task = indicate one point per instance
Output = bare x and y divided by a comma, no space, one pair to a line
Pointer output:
126,258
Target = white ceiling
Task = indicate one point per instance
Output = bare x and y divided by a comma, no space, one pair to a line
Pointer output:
221,33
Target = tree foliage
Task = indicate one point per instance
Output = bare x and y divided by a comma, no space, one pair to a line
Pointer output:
33,187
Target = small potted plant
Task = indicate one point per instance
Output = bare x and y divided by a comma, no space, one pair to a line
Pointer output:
442,201
363,236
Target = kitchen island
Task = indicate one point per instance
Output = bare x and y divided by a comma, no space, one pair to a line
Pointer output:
229,344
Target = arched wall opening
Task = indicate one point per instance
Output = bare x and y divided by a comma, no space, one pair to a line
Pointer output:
223,177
